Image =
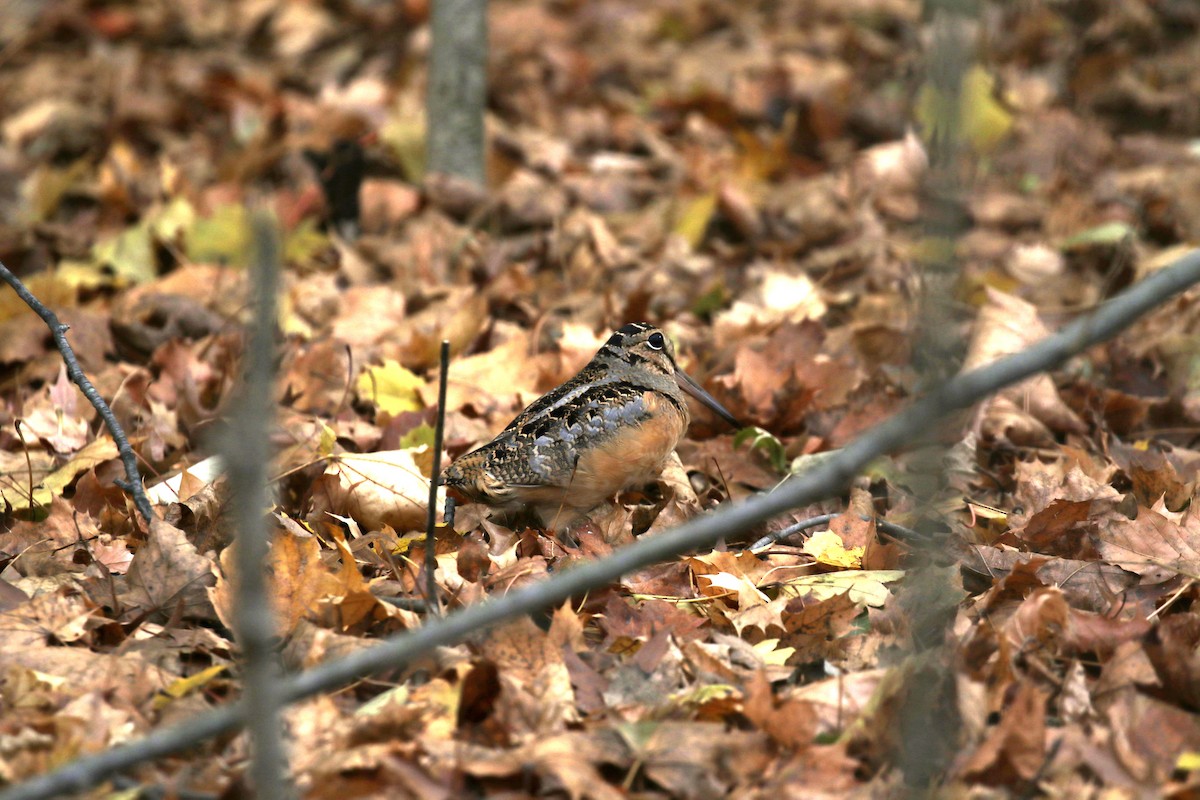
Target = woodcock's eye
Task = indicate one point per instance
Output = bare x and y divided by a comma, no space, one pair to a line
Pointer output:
655,341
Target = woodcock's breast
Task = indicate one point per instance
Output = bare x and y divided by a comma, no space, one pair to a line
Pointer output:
631,455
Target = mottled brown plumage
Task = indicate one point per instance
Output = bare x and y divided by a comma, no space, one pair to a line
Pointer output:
610,427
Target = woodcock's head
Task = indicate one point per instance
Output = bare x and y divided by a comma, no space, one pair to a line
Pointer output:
640,349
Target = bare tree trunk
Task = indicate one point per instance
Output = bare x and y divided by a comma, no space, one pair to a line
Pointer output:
247,455
929,722
457,90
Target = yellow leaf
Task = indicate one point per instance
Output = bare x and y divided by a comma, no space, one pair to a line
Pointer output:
985,121
989,513
82,274
982,121
391,387
693,220
327,441
46,286
47,185
1109,233
185,686
864,586
377,704
1189,760
130,254
420,436
169,222
53,681
771,656
703,693
748,594
223,238
404,133
438,702
827,548
94,452
304,242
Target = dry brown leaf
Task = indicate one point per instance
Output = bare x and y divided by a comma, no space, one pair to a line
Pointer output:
310,645
1015,748
460,317
778,297
814,628
1088,585
491,382
317,378
168,575
380,305
55,617
1152,545
1172,648
59,416
791,723
304,587
1007,325
697,760
376,489
537,698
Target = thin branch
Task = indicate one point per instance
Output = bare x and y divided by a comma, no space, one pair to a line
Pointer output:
779,535
830,477
439,430
899,531
247,454
133,479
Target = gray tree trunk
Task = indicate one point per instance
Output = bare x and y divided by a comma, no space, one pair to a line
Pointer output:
457,89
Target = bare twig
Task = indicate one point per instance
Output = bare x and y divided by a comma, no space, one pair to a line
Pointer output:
247,455
439,430
133,479
899,531
822,481
779,535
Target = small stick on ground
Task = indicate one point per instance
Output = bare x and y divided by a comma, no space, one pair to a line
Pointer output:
439,430
898,531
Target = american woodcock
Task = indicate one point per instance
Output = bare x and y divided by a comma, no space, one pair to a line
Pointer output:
609,428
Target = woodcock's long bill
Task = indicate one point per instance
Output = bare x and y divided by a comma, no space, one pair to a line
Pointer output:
610,427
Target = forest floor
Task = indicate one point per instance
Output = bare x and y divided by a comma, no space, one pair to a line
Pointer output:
746,175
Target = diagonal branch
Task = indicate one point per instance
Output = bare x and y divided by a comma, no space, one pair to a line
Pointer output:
133,479
828,478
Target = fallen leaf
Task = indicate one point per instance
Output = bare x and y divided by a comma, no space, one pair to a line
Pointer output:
827,548
376,489
168,574
863,586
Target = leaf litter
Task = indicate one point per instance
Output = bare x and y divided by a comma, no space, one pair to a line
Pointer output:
743,176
